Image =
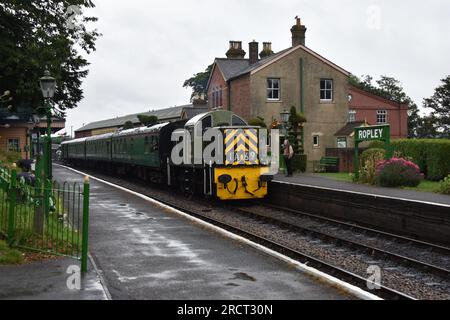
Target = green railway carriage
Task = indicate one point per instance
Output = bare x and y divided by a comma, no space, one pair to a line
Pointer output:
74,149
98,148
139,147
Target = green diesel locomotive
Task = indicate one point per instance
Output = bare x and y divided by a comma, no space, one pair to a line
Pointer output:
215,153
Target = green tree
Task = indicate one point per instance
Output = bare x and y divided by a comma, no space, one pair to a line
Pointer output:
147,120
439,102
386,87
35,34
198,82
415,122
128,125
392,89
6,100
427,128
295,127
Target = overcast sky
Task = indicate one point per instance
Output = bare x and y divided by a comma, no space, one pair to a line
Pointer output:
149,48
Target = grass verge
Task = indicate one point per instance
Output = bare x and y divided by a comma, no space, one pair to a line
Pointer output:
424,186
9,255
340,176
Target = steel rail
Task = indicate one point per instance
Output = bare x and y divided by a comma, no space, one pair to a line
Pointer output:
422,244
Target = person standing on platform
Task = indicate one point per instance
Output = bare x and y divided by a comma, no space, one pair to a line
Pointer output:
288,154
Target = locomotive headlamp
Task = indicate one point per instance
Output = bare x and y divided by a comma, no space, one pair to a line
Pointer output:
48,85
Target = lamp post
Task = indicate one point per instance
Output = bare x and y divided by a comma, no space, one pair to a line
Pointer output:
48,87
284,120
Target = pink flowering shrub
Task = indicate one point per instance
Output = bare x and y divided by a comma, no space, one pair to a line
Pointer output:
397,172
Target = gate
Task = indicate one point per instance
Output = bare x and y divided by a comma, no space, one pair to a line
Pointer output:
45,216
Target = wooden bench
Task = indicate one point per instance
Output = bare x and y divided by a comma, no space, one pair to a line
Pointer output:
329,164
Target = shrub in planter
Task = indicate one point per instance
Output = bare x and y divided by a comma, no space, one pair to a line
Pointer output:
397,172
257,122
444,186
369,160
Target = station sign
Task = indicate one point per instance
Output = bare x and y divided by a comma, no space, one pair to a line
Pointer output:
372,133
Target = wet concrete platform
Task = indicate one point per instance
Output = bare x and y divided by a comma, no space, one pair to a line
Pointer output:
49,280
147,252
325,182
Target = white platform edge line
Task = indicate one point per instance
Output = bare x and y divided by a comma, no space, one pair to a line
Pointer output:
357,292
363,193
101,278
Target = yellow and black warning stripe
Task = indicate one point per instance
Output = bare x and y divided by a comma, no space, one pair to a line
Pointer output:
241,147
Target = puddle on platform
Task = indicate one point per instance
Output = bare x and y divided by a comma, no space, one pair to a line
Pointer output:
243,276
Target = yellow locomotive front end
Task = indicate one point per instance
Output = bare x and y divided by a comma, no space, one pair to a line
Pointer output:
243,176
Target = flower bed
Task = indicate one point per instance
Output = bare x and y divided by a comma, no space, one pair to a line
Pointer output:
397,172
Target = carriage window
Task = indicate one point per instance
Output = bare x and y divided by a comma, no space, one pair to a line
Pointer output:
146,144
155,144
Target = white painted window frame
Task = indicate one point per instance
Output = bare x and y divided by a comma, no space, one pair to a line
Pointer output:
273,89
382,113
316,145
326,90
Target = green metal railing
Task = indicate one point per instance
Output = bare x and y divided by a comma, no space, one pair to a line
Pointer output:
47,217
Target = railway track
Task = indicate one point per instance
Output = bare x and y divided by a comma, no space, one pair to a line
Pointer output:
373,251
426,247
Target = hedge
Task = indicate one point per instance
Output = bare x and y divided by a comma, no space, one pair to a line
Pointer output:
299,162
431,155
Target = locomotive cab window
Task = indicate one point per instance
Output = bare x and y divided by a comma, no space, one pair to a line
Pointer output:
236,121
207,123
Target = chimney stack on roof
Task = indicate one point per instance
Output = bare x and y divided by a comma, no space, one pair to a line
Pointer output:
298,33
267,50
235,51
253,52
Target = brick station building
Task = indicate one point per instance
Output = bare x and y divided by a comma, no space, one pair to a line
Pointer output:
267,83
16,129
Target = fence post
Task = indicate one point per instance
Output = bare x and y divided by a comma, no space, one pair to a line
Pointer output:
84,248
12,204
40,206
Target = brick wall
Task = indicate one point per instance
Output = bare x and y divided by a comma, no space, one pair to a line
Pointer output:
366,105
240,97
218,85
83,134
14,132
